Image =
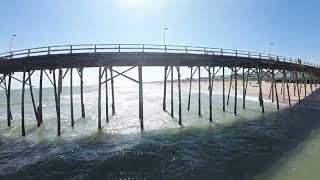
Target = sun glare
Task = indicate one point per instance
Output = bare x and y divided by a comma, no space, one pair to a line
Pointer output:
137,3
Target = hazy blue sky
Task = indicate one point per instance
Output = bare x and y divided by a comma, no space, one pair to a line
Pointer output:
293,26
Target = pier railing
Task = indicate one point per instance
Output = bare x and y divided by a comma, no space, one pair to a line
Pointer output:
141,48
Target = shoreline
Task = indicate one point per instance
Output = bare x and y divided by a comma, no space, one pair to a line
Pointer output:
252,90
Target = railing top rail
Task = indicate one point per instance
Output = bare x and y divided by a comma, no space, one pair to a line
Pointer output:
164,48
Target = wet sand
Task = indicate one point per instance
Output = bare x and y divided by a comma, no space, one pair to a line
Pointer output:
253,90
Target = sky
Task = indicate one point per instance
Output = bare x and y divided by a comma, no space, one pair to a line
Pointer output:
293,27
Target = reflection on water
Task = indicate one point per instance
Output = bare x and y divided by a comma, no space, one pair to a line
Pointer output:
248,146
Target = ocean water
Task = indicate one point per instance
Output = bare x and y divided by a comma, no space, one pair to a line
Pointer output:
275,145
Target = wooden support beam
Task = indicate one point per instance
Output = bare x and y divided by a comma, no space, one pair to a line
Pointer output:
245,92
107,98
22,103
213,75
272,87
199,89
283,87
83,113
60,81
260,89
65,73
57,98
235,90
9,114
223,91
71,97
210,94
119,73
300,81
32,99
99,100
288,91
171,91
48,77
164,88
20,80
140,97
297,84
29,76
290,79
39,108
112,92
189,97
311,82
275,88
305,84
294,83
179,88
243,89
122,74
229,89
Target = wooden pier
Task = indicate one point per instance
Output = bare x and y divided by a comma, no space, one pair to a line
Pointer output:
55,62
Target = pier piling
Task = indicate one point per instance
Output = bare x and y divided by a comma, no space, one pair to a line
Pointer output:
229,87
272,87
83,113
189,97
107,98
141,97
9,115
199,89
171,91
260,89
235,90
287,84
223,91
22,103
275,88
39,109
210,94
112,92
243,89
297,84
71,97
179,88
164,88
32,99
99,100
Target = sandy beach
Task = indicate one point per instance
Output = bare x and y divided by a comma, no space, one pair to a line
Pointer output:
252,89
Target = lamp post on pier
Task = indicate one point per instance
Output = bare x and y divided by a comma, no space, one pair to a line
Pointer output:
12,37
